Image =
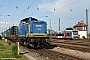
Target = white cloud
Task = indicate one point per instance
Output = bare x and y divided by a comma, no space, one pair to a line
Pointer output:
1,26
62,6
51,6
44,1
73,9
4,22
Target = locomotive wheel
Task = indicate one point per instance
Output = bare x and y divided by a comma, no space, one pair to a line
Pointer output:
34,45
25,43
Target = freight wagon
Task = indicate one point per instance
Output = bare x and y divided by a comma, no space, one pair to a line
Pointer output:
11,33
14,33
32,32
7,34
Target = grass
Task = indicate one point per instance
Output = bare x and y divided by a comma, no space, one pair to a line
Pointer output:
6,51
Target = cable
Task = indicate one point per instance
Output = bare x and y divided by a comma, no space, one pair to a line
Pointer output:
44,7
27,8
16,9
21,3
63,7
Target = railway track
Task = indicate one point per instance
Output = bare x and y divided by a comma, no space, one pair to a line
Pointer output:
75,45
57,56
52,55
76,42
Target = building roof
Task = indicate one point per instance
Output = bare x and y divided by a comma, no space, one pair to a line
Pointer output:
80,24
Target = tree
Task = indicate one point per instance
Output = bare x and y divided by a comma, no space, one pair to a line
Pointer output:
69,28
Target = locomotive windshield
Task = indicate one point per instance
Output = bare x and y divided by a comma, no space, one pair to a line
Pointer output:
75,32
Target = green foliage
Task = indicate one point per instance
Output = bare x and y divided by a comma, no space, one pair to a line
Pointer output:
69,28
2,47
15,51
6,51
83,37
9,43
5,56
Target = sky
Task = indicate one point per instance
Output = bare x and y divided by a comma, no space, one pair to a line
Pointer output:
70,12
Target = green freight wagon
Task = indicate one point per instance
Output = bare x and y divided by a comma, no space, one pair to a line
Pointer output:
8,34
14,30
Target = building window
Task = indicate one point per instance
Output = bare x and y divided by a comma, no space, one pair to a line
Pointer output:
79,28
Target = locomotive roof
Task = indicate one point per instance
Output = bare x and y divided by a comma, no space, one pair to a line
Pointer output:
26,19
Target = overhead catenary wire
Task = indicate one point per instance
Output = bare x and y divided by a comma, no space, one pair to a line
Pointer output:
74,12
62,7
17,7
21,2
69,5
39,8
23,11
27,8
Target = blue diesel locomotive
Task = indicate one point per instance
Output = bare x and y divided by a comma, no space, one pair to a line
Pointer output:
32,32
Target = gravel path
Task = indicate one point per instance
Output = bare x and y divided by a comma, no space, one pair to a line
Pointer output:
30,57
76,53
33,56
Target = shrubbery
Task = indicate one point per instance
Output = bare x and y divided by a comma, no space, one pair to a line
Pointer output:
15,51
83,37
9,43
